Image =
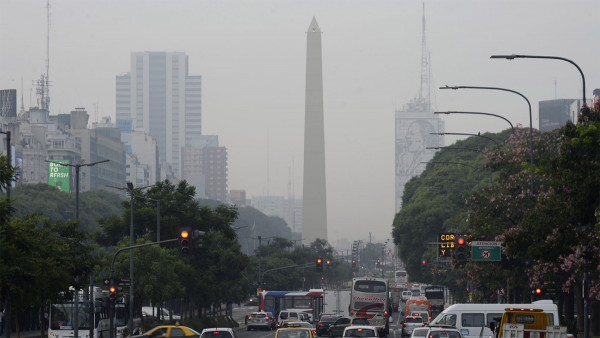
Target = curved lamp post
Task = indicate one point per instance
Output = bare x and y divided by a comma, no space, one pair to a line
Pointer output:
530,118
477,171
514,56
476,113
478,135
463,148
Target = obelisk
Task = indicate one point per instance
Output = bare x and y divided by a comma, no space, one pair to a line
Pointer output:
314,205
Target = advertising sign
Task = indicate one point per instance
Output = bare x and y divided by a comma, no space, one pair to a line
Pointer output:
58,175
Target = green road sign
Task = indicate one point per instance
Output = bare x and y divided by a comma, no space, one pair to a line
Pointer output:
58,175
485,251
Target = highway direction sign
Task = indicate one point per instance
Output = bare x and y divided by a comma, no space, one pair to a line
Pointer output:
485,251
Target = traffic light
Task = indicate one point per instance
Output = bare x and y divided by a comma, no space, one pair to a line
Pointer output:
328,263
423,265
319,264
378,262
468,286
197,236
112,293
460,248
185,249
119,294
354,263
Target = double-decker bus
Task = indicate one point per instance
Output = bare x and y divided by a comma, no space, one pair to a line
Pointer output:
310,301
370,299
61,316
401,278
435,296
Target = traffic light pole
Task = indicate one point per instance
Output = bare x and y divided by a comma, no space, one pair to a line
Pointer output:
112,276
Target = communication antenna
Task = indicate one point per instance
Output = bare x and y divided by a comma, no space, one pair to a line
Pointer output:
424,90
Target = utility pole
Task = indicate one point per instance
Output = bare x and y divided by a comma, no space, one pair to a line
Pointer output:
259,262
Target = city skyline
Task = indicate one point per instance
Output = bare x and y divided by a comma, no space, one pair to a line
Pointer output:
251,59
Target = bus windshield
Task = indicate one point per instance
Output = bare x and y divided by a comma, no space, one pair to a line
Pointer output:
400,273
370,286
62,316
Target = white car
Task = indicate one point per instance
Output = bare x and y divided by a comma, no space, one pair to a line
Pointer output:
360,331
218,332
406,295
419,333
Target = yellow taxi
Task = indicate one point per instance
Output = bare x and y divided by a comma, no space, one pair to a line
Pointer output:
285,322
170,331
294,332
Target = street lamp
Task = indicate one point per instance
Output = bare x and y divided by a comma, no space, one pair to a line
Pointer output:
77,167
157,215
477,171
478,135
476,113
585,277
463,148
514,56
530,118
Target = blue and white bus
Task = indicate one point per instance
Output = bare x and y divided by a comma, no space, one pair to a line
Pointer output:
310,301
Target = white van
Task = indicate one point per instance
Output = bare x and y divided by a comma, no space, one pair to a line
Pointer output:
469,318
291,314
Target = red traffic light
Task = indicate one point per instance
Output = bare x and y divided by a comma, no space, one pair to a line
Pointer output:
423,262
461,241
319,261
538,291
112,289
328,262
184,234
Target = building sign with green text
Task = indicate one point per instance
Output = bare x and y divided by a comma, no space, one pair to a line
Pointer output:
58,175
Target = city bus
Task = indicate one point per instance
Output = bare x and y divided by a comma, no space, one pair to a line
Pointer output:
61,315
401,278
310,301
370,299
435,296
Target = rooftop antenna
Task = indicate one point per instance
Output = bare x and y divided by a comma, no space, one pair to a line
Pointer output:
424,90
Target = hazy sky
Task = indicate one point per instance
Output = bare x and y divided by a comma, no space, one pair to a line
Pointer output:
251,55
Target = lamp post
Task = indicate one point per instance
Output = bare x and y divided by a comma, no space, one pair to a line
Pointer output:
157,215
478,135
514,56
77,167
475,113
530,118
585,276
7,305
477,171
463,148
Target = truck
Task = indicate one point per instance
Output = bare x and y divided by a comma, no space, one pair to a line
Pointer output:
526,323
418,306
336,301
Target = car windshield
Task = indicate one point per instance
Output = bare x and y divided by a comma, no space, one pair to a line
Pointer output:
420,332
414,319
291,333
444,334
219,334
359,333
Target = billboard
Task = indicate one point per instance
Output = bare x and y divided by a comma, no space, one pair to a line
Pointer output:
58,175
555,113
413,137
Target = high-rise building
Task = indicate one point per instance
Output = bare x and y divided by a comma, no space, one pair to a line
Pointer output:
160,97
314,183
556,113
